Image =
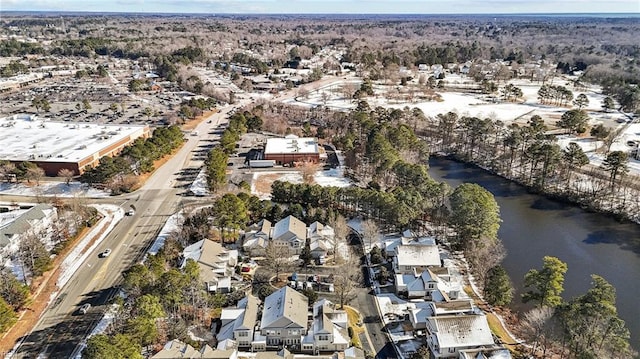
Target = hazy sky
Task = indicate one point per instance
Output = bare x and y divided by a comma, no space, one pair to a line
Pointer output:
329,6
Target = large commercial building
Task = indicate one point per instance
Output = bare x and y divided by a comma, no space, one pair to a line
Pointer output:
54,145
293,149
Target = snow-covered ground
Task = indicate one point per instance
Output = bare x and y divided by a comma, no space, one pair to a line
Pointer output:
171,225
100,328
199,185
333,177
466,104
52,189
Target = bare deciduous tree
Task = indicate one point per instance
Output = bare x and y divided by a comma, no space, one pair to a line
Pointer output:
277,259
346,278
370,233
7,171
34,174
308,169
67,174
483,255
538,327
340,230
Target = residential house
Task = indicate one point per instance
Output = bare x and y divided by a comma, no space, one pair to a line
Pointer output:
419,312
328,331
413,256
215,262
434,284
257,237
176,349
495,352
321,239
284,318
449,334
280,354
290,233
239,323
36,220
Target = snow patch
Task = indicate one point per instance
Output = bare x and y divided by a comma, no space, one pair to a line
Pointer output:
112,215
171,225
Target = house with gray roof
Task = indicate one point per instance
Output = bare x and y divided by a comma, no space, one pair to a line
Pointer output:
215,262
290,233
328,330
284,318
415,257
493,352
239,323
176,349
36,220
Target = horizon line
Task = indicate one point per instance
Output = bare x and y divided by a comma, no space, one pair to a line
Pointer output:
316,13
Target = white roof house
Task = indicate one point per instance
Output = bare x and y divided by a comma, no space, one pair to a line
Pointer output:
290,232
238,323
434,284
256,237
415,258
285,308
486,353
452,333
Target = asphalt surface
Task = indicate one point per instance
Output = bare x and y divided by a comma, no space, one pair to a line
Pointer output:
377,337
61,329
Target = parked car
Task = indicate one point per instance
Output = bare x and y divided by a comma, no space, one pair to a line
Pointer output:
130,212
84,309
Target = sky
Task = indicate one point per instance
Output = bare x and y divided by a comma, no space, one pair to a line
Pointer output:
328,6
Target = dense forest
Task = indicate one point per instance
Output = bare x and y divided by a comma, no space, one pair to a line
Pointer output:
603,50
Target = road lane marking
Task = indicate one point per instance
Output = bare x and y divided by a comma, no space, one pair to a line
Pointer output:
103,269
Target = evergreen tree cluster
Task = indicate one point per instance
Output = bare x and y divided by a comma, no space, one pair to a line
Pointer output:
136,158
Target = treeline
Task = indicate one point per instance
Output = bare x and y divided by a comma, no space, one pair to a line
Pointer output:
12,47
14,68
530,156
216,163
14,296
250,61
166,64
586,326
165,298
554,95
196,106
92,46
118,173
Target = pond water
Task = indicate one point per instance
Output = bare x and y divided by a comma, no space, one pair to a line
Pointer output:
534,226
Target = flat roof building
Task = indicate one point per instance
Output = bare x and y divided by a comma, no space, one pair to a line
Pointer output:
293,149
54,145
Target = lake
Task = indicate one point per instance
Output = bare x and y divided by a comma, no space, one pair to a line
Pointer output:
534,226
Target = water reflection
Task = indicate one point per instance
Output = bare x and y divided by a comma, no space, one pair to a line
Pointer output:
534,226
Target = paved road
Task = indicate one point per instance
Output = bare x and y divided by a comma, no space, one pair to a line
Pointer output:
365,302
61,330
